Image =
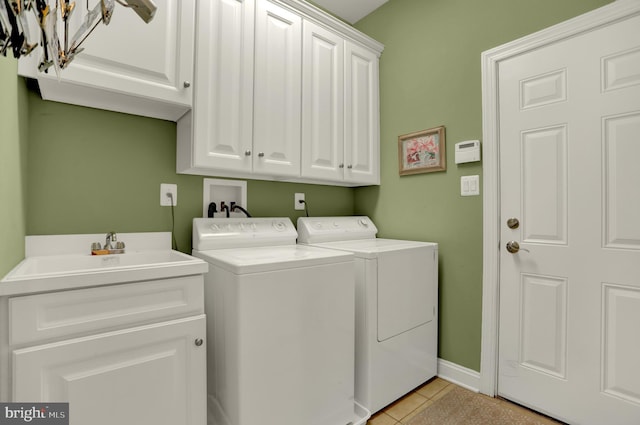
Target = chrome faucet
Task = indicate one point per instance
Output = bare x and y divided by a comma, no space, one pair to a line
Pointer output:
111,237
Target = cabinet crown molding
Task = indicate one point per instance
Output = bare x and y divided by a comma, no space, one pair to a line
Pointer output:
309,11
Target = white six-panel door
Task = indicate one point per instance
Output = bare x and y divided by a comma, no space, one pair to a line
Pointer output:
569,134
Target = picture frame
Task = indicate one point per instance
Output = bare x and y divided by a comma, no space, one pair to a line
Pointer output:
422,152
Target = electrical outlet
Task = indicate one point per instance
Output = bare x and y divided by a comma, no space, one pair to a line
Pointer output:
297,205
165,200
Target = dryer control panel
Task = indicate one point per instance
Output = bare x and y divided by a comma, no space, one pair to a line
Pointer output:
329,229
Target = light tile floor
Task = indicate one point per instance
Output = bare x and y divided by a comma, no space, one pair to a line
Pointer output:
403,410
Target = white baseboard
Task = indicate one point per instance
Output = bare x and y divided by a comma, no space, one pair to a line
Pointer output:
459,375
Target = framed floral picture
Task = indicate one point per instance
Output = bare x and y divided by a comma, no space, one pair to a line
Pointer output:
422,152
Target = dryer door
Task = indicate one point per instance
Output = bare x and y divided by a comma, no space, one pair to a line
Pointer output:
407,280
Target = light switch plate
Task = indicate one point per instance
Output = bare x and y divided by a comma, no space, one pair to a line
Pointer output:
470,185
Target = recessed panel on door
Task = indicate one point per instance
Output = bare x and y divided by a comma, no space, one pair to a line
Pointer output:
622,181
543,89
544,185
621,349
621,70
543,309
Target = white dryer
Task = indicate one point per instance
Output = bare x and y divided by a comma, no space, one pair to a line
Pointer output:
396,305
280,325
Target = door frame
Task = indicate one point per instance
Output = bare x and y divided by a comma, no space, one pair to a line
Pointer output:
611,13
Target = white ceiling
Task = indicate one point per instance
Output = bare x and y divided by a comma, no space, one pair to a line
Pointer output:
350,10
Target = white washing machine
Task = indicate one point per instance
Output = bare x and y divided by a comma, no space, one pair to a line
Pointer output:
280,325
396,305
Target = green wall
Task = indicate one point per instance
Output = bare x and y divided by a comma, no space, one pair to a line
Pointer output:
430,76
94,171
13,162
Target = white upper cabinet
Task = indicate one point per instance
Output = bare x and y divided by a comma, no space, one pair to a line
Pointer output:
340,123
277,90
127,66
322,103
362,122
217,133
281,89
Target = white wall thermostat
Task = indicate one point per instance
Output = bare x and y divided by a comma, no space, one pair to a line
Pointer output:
468,151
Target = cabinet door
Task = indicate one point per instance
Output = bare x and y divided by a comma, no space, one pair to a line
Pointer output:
223,104
150,375
277,101
127,57
322,103
362,132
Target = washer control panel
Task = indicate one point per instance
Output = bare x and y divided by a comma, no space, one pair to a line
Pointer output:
222,233
329,229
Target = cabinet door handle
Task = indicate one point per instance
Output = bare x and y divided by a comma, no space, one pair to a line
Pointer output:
198,342
247,153
349,166
341,166
186,84
260,154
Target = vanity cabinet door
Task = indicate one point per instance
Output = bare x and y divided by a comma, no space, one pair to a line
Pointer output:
149,375
277,90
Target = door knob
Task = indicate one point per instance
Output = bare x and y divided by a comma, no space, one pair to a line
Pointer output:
513,223
261,154
247,153
513,247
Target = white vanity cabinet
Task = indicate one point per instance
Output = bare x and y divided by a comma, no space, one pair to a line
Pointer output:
119,354
272,100
127,66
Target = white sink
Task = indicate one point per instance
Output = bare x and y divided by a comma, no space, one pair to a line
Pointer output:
53,265
38,273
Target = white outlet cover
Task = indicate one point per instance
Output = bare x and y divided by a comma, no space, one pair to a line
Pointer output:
165,188
297,205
